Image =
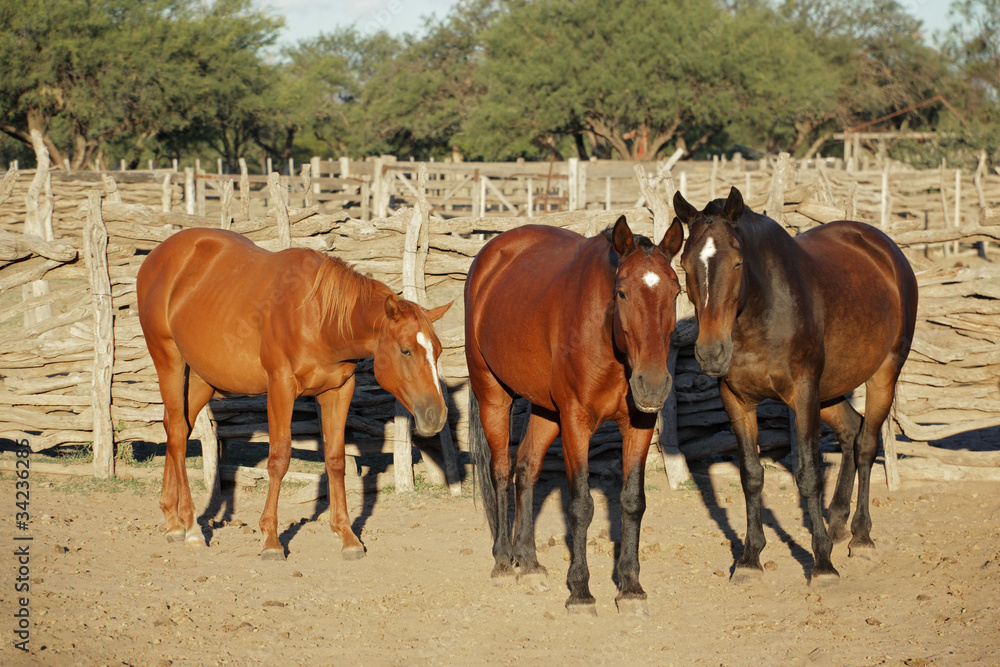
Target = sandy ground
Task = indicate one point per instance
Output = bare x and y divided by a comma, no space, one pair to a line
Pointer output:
107,589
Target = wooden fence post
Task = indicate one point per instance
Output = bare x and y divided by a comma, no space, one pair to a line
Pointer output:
189,195
95,247
278,199
200,189
244,191
166,198
885,203
774,208
38,223
306,177
674,462
227,203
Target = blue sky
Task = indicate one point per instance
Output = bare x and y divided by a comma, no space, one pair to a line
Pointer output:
308,18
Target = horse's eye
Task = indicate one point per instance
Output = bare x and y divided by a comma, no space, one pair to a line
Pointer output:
738,264
620,294
406,352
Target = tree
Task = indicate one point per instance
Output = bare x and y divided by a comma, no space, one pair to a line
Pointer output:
636,76
974,43
90,74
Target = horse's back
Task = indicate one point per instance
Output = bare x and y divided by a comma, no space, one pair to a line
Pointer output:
525,297
208,293
869,297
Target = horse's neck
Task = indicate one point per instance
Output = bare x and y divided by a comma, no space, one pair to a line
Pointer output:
367,320
770,255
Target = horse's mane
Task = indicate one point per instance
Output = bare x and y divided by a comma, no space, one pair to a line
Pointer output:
758,232
640,240
340,289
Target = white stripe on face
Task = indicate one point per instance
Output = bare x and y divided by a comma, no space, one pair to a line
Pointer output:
707,253
429,352
651,279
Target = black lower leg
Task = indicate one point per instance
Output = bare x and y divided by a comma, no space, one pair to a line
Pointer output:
633,502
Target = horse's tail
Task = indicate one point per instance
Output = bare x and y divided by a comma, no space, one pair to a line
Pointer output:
482,462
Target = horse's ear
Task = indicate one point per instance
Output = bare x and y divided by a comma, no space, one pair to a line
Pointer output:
436,314
685,212
392,310
734,206
671,242
621,237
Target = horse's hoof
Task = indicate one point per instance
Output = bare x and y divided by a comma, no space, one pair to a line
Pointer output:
273,554
195,539
745,576
537,580
838,533
633,607
862,550
502,575
353,553
176,536
825,579
582,608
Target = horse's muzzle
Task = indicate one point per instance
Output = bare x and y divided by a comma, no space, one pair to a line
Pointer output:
429,420
650,389
714,358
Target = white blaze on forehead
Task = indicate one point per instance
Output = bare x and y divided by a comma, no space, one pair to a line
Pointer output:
429,353
651,279
707,253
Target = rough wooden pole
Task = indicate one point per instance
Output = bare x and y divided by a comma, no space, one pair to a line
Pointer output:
654,200
958,203
674,463
95,247
306,177
851,208
166,198
572,184
314,171
244,191
227,204
189,195
205,432
889,451
281,211
884,198
38,223
775,205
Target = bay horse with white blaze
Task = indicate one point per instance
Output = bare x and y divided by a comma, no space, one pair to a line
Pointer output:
581,329
221,314
804,320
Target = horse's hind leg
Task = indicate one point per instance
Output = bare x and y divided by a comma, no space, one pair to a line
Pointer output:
542,430
281,392
880,391
494,416
184,395
846,423
577,430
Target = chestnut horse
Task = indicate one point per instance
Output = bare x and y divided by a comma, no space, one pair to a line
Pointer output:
581,329
221,314
804,320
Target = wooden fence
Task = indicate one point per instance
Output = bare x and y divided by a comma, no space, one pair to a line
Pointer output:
75,369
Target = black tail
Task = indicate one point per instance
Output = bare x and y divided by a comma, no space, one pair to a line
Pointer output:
482,462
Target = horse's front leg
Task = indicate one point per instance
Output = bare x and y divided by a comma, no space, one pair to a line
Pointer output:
743,416
281,392
637,433
333,409
542,430
577,429
808,477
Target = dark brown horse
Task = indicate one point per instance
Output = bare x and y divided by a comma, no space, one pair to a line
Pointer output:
804,320
581,329
221,314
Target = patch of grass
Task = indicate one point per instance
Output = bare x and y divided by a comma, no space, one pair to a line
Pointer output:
90,485
72,454
689,484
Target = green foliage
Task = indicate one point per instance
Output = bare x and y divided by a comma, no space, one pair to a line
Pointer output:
494,79
95,75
